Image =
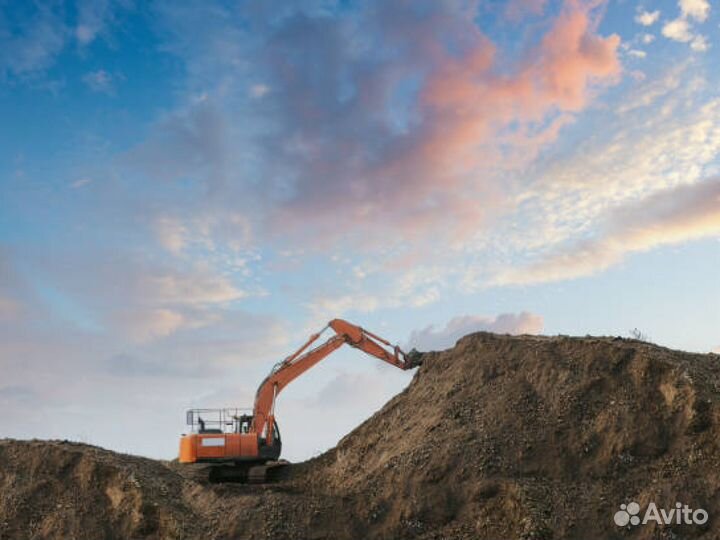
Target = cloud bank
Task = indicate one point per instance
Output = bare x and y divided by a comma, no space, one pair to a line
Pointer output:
389,117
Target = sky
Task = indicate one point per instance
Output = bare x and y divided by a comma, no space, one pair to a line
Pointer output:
189,189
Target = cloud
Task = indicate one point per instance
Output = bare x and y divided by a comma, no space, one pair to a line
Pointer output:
650,92
211,232
32,42
140,299
684,213
191,288
699,44
648,38
358,143
204,343
647,18
171,234
33,38
657,141
145,325
407,288
637,53
663,134
190,143
259,90
678,30
85,378
416,136
465,101
100,81
81,182
95,16
430,339
331,306
695,9
168,334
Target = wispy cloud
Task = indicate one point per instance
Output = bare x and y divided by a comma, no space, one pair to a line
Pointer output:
678,30
32,38
31,44
94,16
145,325
699,44
668,145
695,9
647,18
100,81
681,28
81,182
685,213
171,233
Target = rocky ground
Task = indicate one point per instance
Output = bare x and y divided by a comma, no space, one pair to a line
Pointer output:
498,438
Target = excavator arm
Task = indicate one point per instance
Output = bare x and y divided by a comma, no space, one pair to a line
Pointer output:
304,358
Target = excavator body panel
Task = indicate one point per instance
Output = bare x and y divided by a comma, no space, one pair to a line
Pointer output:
199,447
224,435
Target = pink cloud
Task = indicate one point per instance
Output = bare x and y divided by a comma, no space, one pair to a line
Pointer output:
467,101
571,56
398,117
441,170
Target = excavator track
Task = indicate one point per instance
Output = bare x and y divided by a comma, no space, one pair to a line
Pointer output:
248,473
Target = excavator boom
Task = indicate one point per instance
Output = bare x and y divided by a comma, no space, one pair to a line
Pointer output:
302,360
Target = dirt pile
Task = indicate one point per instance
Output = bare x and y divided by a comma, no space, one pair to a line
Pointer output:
70,490
499,437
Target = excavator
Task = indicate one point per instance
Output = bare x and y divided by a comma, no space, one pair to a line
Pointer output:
242,446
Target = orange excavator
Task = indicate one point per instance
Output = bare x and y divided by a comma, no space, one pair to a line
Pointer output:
246,447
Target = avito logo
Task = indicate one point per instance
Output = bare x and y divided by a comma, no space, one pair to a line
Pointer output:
629,514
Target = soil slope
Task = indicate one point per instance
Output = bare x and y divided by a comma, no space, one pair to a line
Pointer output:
499,437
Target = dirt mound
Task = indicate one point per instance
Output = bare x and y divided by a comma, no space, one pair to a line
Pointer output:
69,490
499,437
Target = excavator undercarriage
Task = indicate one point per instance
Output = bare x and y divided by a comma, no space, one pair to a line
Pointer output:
249,473
238,473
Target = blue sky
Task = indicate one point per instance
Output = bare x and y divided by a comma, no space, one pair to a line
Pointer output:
189,189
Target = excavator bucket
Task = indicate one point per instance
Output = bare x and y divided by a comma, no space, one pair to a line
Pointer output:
413,359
